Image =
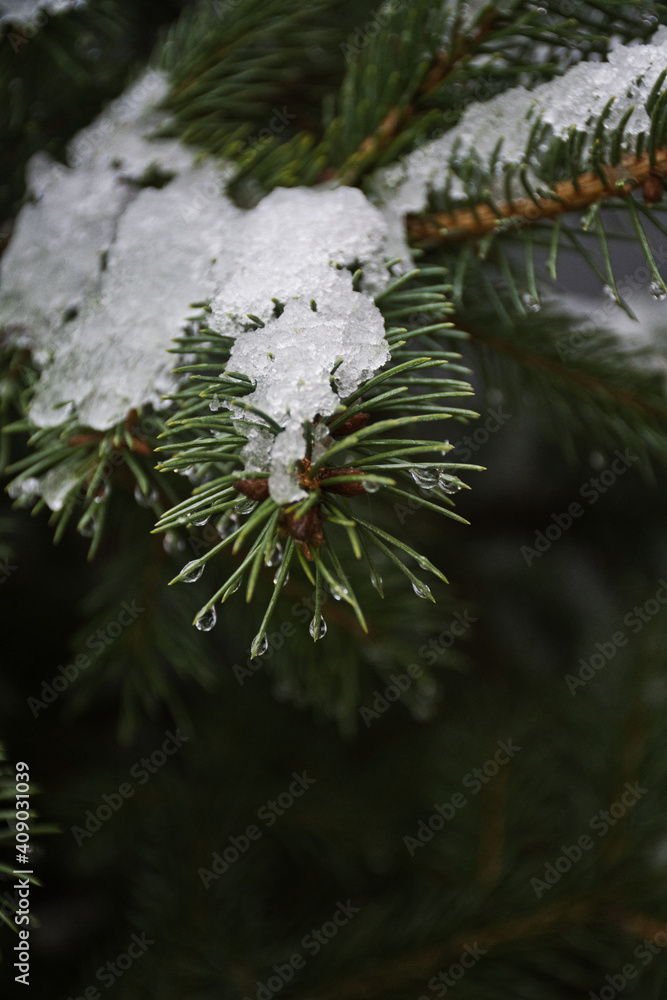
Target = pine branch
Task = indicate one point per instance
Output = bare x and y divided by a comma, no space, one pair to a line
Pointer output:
568,196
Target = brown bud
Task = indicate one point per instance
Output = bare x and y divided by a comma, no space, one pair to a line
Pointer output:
352,424
253,489
653,188
306,530
81,439
140,446
352,489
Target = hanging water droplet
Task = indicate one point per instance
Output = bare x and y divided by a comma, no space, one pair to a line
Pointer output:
609,292
245,506
192,572
530,303
426,478
103,494
376,581
172,543
261,648
370,486
275,557
87,529
657,291
322,631
421,589
199,521
206,621
226,524
338,592
144,499
275,579
449,484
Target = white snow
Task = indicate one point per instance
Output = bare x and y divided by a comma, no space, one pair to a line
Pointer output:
293,247
26,13
291,360
103,334
100,274
573,100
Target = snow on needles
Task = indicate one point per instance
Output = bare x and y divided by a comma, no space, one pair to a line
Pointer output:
110,252
294,247
26,13
100,272
574,100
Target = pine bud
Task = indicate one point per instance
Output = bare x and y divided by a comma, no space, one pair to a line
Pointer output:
351,489
253,489
352,424
306,530
653,188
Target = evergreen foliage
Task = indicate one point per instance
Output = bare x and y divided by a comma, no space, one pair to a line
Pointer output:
460,747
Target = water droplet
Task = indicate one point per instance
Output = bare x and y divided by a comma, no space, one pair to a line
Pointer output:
338,592
322,631
215,404
206,621
275,557
199,521
530,303
172,543
657,291
370,486
376,581
426,478
449,484
275,579
609,292
422,590
261,648
226,524
144,499
192,574
87,529
103,494
245,506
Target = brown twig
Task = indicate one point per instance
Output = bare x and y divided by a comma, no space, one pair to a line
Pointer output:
465,223
398,118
